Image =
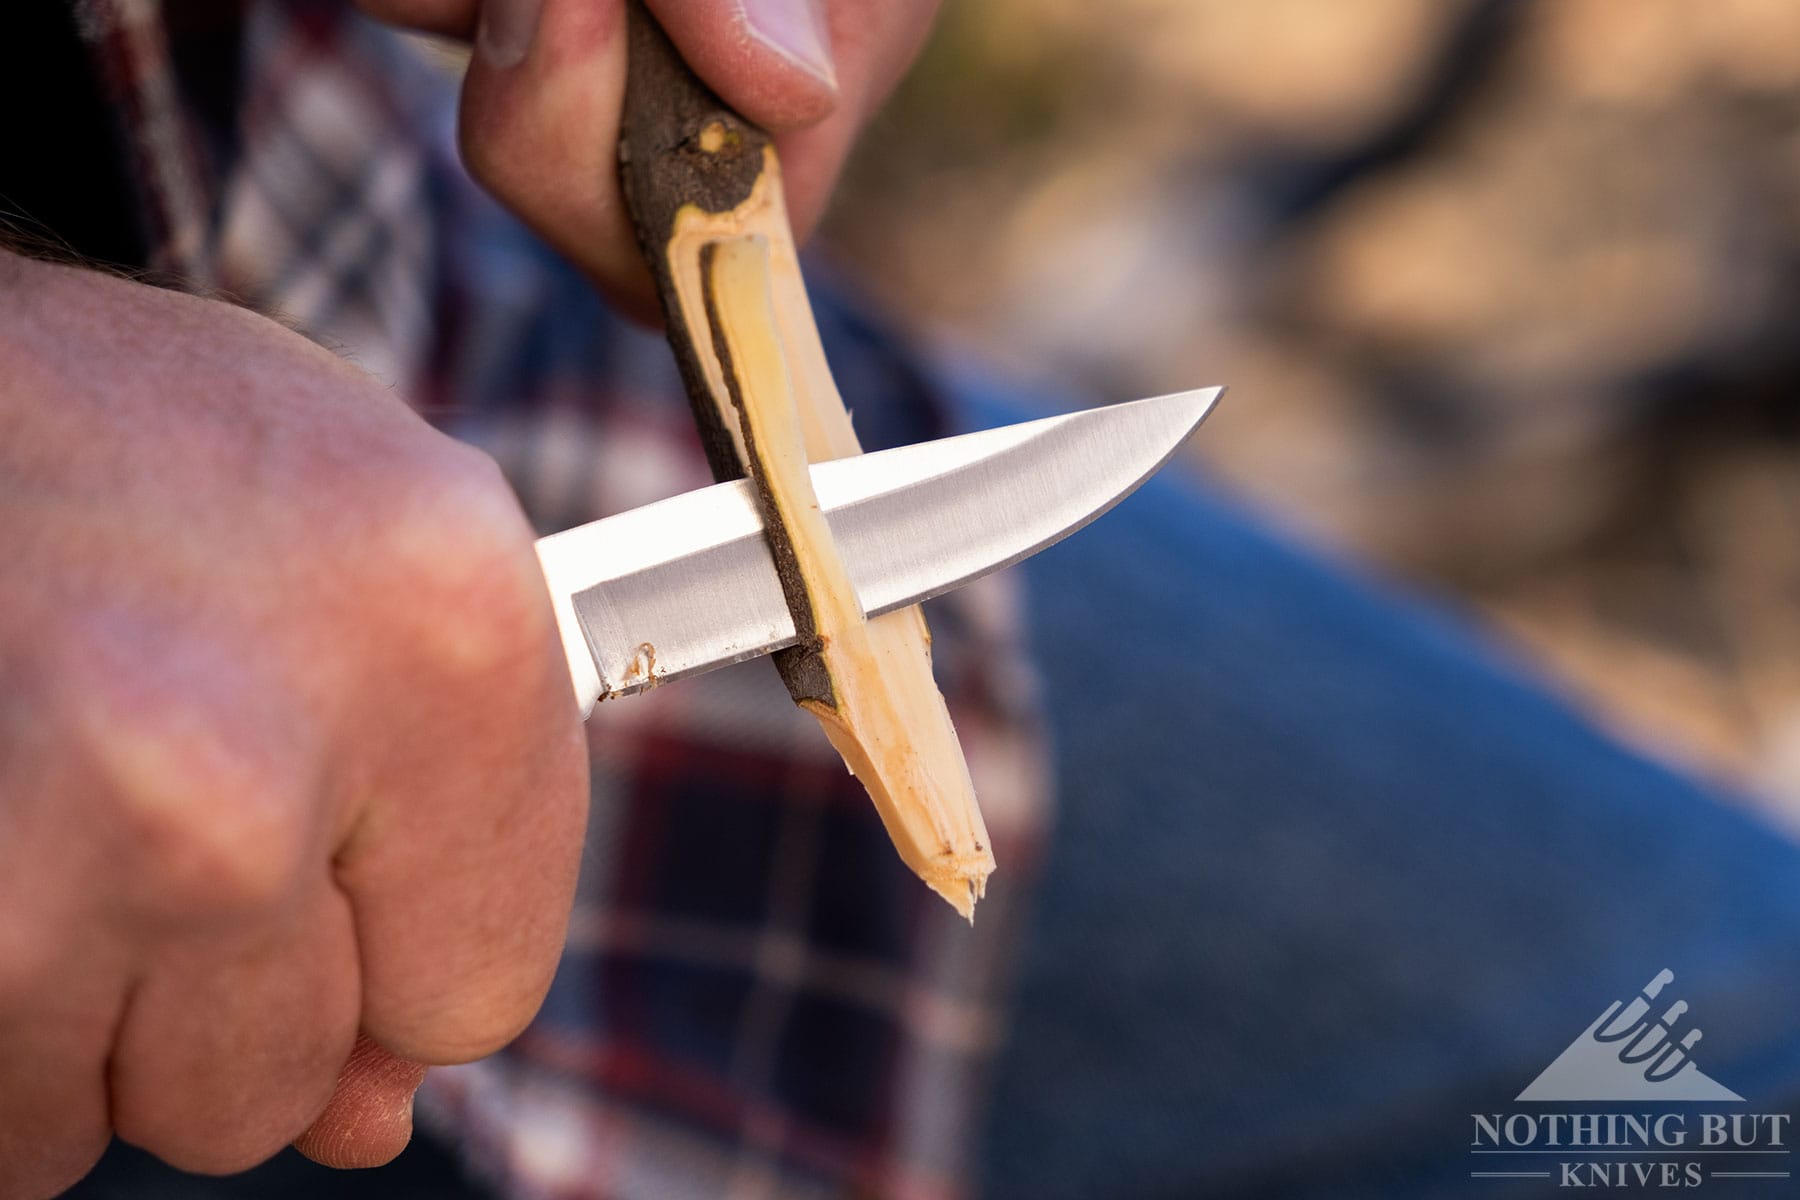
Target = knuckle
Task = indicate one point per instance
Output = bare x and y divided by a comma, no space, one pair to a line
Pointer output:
218,856
457,500
170,744
466,557
209,827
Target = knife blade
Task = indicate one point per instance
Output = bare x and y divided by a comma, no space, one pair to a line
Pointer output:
686,585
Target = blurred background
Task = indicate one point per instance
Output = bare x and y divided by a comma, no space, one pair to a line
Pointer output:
1503,290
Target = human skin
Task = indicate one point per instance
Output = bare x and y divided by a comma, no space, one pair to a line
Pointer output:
292,787
287,744
540,119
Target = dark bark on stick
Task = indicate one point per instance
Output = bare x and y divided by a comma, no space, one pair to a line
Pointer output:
802,665
668,113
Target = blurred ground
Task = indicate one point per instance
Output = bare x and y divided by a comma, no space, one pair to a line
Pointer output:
1504,291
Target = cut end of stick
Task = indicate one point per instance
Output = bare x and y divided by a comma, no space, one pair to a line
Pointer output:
933,822
973,887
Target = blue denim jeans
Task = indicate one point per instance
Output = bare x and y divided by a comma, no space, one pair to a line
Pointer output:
1330,876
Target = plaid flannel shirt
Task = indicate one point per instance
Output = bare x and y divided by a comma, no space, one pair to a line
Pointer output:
756,998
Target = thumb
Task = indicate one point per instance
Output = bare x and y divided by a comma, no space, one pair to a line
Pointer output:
369,1117
772,60
545,90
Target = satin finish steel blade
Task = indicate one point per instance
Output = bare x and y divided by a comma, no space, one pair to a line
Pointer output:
687,584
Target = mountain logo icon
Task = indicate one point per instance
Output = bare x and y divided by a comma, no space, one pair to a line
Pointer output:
1632,1051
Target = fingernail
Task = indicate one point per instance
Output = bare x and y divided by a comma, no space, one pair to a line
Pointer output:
794,29
505,31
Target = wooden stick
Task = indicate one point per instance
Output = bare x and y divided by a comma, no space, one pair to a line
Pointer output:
704,189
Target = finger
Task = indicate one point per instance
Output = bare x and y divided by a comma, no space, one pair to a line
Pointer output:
545,90
461,869
226,1052
173,806
539,128
53,1109
463,892
368,1120
772,60
872,42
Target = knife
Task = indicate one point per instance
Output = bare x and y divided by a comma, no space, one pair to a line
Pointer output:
687,584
